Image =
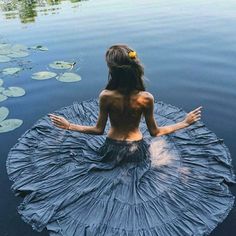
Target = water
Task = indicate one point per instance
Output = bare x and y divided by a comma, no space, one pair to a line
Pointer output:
188,49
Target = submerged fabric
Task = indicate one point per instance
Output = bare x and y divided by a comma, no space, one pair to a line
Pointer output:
77,184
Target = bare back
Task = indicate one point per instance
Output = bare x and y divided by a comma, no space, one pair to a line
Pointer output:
125,112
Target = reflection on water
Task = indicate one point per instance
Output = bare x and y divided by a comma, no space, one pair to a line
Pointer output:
28,10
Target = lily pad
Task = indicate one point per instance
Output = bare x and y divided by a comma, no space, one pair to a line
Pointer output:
10,124
19,47
2,97
40,47
3,113
69,77
1,89
61,65
15,50
4,45
1,82
5,49
11,70
16,54
4,58
14,92
42,75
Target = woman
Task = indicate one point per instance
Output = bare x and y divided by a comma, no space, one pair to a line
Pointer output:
128,182
125,100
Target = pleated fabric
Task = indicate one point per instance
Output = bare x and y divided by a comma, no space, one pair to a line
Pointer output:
77,184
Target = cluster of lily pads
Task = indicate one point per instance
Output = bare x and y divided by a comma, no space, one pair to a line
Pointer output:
9,51
12,52
58,65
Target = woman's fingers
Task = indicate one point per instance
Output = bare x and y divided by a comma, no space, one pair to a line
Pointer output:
54,116
59,125
197,110
55,121
58,121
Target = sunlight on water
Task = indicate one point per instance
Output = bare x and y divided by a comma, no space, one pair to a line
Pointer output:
161,154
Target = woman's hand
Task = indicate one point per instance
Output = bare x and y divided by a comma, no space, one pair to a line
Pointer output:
60,121
193,116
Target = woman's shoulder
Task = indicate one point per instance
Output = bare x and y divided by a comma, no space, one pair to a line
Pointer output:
147,95
113,92
147,98
105,93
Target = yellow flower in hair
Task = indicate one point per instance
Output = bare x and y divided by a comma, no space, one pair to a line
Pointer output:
132,54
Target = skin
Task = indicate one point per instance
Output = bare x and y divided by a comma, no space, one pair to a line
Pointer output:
125,113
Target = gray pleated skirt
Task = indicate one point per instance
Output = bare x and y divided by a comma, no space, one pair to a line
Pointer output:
77,184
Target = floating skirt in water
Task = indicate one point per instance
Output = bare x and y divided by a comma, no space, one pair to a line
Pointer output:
81,184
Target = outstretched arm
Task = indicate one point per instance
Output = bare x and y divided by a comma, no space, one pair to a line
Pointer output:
99,128
153,128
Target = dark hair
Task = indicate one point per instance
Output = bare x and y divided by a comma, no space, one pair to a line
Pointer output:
125,72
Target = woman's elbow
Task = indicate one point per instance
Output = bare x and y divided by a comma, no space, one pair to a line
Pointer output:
100,131
155,133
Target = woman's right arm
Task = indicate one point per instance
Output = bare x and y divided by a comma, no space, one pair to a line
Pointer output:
153,127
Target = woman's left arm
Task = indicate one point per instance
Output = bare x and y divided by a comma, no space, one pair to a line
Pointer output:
98,129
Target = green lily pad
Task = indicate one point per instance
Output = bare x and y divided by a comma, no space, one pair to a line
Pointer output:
16,54
4,112
4,58
19,47
11,70
5,49
10,124
69,77
1,82
2,97
61,65
14,92
3,45
42,75
40,47
12,51
1,89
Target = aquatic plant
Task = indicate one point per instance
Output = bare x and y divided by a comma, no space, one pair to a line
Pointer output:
14,92
7,125
62,65
2,97
42,75
8,51
39,47
68,77
11,70
4,58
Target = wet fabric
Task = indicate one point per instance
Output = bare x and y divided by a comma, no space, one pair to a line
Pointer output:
77,184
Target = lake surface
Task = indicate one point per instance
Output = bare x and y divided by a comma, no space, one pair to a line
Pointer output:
188,49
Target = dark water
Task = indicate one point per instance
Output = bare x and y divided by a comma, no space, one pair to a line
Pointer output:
188,49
